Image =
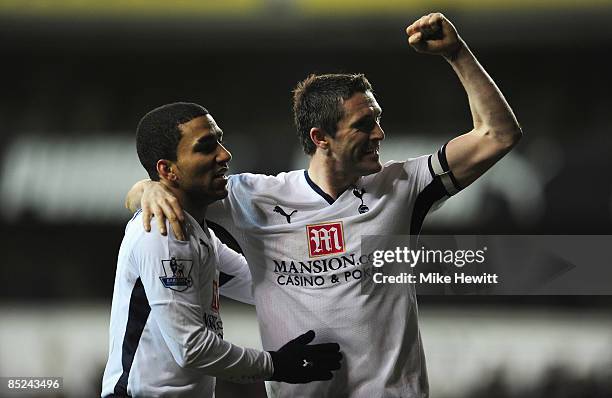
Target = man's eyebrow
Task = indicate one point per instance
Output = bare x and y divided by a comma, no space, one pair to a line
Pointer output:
367,118
217,135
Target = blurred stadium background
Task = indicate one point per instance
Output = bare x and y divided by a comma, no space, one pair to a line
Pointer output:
77,76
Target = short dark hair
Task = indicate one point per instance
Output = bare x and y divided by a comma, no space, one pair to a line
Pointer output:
158,133
317,102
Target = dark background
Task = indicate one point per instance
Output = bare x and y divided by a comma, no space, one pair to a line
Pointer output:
73,78
71,75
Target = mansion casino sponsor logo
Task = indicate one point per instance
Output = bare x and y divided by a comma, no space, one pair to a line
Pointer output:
328,261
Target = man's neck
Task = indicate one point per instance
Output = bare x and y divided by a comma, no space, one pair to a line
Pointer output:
324,172
196,209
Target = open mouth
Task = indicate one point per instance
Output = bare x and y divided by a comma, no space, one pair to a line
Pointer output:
372,151
221,173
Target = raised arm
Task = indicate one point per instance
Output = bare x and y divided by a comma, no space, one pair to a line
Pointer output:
496,129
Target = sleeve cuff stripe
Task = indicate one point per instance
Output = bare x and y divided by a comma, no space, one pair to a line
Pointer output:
439,166
436,166
442,158
431,170
447,181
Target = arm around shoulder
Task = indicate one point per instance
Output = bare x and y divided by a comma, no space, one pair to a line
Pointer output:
156,201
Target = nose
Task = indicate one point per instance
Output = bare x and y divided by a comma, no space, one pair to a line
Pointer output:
223,155
378,134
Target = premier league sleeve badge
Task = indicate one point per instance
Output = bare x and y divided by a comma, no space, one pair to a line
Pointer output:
177,274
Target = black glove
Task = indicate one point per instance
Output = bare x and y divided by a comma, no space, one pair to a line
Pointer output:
297,362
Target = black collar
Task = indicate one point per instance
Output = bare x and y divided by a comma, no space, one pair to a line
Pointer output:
318,189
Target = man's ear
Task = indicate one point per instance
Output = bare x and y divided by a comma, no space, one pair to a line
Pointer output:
166,170
319,138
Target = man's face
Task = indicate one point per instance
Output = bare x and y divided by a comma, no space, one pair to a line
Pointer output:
357,142
202,160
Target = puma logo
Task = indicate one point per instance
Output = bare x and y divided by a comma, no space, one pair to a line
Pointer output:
278,209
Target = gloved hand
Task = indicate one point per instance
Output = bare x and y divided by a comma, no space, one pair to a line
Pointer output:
298,362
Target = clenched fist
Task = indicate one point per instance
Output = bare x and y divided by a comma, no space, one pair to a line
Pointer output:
434,34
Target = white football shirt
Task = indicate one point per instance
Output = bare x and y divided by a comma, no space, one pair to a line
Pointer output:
304,252
166,334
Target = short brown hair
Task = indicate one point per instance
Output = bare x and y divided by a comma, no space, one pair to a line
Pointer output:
317,102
